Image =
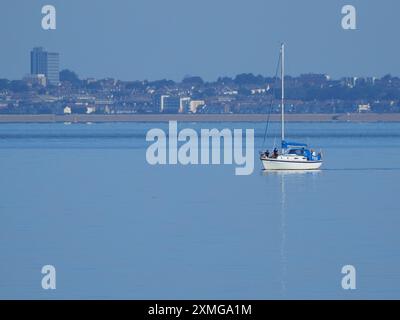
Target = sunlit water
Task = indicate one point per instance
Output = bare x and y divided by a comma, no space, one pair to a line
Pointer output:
83,198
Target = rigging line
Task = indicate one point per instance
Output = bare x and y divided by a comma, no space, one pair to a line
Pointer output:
272,100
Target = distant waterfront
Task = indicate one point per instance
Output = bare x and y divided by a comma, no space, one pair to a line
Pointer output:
344,117
243,94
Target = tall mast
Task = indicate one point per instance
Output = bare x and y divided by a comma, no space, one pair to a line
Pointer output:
283,90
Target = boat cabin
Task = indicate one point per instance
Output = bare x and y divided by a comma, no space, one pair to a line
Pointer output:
299,150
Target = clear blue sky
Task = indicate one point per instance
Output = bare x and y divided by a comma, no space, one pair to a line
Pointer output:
154,39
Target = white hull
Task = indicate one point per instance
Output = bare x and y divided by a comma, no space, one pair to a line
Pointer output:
277,164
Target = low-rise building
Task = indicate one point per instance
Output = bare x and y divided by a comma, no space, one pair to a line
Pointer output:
195,104
67,110
170,104
364,108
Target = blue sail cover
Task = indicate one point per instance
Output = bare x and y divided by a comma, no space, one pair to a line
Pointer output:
287,145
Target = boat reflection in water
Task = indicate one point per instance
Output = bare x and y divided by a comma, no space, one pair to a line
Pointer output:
292,178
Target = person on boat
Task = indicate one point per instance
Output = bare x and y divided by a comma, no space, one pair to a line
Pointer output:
313,154
275,155
265,154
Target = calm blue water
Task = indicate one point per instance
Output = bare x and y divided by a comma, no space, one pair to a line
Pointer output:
83,198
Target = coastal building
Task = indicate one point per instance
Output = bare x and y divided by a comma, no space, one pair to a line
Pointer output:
195,104
364,108
162,99
258,91
170,104
35,79
53,68
90,110
38,61
371,80
47,63
67,110
184,104
349,81
230,92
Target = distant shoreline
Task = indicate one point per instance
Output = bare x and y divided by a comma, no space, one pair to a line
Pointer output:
84,118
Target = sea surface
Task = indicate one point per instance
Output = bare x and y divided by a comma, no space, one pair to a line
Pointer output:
83,198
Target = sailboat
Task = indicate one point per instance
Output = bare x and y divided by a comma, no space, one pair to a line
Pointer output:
293,155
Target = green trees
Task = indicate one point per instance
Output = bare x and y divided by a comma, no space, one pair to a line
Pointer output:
70,76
